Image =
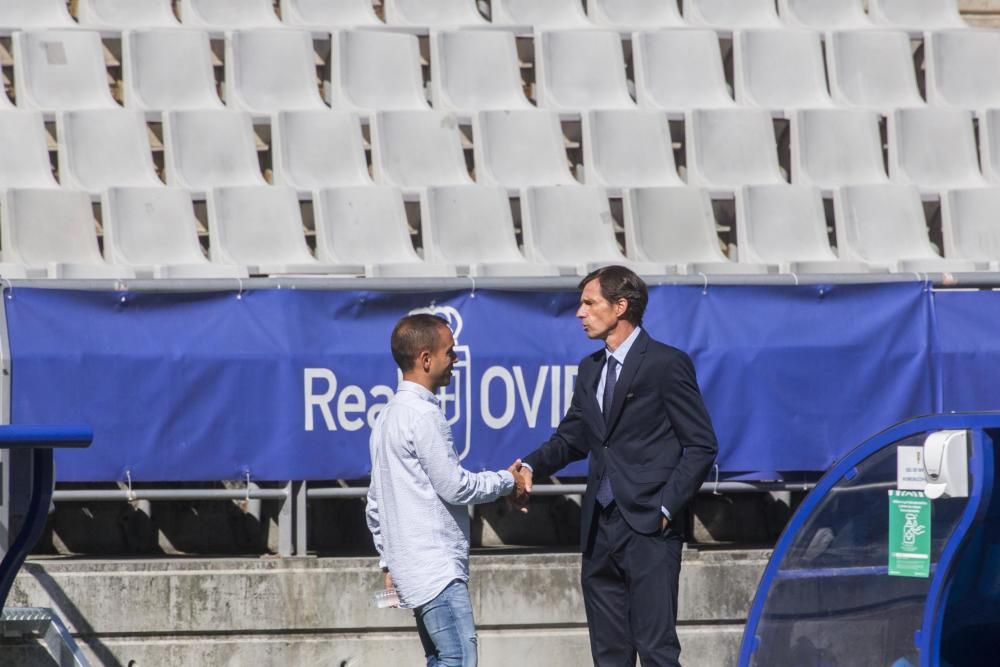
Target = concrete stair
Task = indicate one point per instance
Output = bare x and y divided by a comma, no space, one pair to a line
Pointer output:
317,611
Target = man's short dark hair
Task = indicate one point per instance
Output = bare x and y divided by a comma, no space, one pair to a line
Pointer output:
412,335
618,282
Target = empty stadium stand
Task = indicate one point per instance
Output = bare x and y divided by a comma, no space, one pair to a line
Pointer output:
617,95
207,145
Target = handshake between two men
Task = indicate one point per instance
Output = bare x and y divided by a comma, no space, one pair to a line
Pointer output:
518,498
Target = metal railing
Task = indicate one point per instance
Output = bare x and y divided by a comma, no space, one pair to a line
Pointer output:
292,496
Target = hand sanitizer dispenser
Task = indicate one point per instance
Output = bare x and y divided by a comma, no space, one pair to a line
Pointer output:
946,464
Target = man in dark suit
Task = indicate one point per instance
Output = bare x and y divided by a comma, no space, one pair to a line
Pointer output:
638,412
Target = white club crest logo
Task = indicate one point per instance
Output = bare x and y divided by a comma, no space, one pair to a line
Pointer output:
456,398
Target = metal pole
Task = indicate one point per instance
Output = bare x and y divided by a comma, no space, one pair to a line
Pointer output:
982,279
579,489
108,495
286,523
299,491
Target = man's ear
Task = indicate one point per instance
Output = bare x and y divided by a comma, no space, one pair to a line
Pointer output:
621,306
425,360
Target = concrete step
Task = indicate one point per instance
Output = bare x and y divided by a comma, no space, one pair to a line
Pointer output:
317,611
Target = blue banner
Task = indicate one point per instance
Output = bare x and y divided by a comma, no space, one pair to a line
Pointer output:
284,384
967,350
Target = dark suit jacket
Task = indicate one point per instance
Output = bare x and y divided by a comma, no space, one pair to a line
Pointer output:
659,444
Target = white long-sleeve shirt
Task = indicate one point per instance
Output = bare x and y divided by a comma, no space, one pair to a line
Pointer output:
418,494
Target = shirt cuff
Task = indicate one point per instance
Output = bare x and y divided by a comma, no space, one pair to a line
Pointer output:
507,478
528,466
666,513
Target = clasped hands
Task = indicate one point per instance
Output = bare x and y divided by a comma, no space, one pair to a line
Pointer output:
518,498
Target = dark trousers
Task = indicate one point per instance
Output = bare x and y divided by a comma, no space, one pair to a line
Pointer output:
630,591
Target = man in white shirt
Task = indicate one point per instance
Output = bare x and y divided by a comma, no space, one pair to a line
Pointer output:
416,500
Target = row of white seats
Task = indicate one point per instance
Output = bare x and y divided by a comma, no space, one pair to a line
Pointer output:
720,14
675,70
468,230
934,149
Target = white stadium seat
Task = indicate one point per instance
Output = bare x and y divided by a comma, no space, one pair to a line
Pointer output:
544,14
125,14
786,225
570,227
831,148
732,14
102,148
34,14
884,225
581,69
154,232
24,162
414,149
471,226
367,225
628,148
168,69
638,14
520,148
934,149
676,226
989,144
780,69
60,69
260,227
318,149
271,70
228,14
970,225
433,13
956,72
728,148
825,14
916,14
680,70
872,69
53,230
375,70
329,13
476,70
208,149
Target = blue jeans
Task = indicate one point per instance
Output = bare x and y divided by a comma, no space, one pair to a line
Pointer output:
447,629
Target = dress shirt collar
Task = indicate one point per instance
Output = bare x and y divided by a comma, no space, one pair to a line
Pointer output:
421,391
623,349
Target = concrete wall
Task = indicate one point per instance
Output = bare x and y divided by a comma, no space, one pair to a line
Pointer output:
981,12
317,611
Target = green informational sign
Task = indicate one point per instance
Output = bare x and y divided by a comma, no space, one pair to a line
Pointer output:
909,534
